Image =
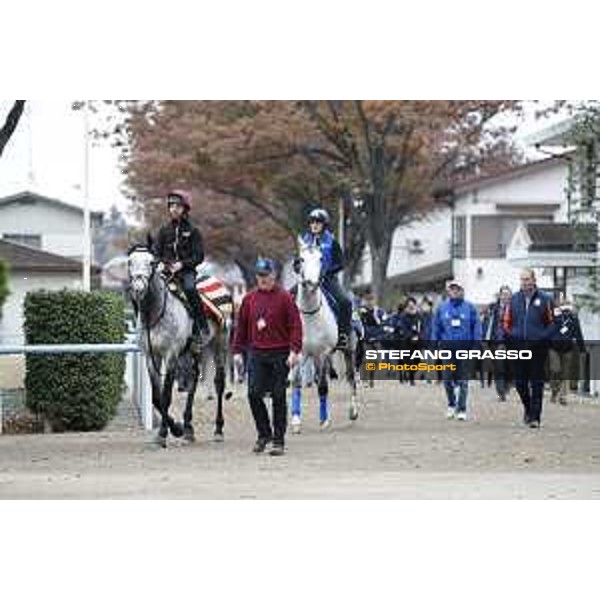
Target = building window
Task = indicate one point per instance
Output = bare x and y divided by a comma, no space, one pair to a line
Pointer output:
33,241
459,237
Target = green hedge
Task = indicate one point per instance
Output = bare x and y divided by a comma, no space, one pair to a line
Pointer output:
75,392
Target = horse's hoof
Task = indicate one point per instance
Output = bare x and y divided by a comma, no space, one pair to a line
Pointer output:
325,424
160,441
353,413
188,434
176,429
218,437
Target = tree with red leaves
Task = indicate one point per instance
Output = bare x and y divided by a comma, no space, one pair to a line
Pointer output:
268,162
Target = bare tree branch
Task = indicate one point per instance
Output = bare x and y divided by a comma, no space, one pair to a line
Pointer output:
12,120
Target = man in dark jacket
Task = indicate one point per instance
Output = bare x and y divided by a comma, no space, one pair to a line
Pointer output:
493,332
269,329
528,323
408,325
179,247
372,317
563,355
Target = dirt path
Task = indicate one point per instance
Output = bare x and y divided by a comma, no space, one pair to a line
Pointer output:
401,447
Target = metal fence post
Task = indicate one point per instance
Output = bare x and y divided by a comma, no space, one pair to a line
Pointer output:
143,394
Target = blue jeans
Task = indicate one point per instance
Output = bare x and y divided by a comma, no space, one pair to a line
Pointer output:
457,379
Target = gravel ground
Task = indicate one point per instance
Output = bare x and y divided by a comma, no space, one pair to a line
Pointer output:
402,446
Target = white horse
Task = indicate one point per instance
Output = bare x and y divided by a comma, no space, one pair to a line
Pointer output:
320,336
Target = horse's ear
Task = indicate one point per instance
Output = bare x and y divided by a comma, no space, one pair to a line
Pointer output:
150,242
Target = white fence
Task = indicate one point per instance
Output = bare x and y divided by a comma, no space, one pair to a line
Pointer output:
136,375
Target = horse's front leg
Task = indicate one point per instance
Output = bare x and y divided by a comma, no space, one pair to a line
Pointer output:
188,428
168,423
350,360
219,382
154,367
321,366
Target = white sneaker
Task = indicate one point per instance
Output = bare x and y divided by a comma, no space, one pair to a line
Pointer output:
461,416
296,424
450,413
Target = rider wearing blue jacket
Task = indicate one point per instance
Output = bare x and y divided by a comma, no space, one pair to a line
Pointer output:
332,262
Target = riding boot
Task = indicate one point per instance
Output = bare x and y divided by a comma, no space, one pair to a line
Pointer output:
200,323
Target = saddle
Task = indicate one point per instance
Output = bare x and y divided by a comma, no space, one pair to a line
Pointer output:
216,299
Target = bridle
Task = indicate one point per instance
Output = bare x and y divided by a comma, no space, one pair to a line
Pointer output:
161,313
317,286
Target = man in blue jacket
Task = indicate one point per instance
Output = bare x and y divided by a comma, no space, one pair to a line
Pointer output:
528,322
456,325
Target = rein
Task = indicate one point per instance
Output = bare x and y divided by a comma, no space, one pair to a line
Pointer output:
316,310
151,325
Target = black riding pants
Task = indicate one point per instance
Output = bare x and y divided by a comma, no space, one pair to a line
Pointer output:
268,372
187,279
332,285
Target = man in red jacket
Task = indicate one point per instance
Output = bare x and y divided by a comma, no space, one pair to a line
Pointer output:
269,329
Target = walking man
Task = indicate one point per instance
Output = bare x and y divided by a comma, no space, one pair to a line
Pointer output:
528,322
270,330
493,332
456,325
565,348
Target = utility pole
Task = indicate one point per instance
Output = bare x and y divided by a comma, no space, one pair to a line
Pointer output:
87,241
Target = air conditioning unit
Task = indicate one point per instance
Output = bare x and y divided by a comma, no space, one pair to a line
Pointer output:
415,246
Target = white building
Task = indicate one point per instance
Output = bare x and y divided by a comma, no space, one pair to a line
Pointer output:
486,215
51,225
469,239
39,233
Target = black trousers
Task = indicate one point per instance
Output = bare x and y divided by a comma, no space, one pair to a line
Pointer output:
187,279
529,380
268,372
332,285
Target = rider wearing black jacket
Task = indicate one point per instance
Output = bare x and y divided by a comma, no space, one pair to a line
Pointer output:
179,246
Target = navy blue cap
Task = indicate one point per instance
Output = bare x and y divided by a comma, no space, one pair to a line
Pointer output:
264,266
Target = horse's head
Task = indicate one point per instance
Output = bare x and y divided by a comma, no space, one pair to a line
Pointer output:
141,265
309,265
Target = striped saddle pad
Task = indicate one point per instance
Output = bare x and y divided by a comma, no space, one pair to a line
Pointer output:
216,298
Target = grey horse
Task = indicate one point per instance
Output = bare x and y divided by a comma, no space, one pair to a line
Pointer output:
320,335
165,336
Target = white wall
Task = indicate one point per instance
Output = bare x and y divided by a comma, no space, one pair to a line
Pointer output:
545,185
11,324
434,232
61,228
482,288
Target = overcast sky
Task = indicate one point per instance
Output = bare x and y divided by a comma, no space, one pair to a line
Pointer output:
50,138
49,144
